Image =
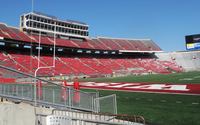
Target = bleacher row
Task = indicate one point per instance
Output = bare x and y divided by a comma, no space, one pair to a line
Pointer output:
90,43
86,66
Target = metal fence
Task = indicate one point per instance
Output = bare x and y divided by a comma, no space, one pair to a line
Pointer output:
106,104
24,92
85,118
39,91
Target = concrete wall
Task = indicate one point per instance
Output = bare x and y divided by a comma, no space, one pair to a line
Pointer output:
16,114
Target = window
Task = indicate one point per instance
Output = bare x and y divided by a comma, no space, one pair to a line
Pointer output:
88,51
38,18
86,28
63,30
52,28
113,52
60,49
42,26
38,25
39,48
84,33
2,44
97,52
45,20
49,27
72,31
70,26
105,52
79,51
34,24
31,17
66,30
42,20
78,32
45,26
28,24
60,29
27,46
75,31
34,17
27,16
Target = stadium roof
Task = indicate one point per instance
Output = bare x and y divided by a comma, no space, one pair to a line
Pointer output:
55,18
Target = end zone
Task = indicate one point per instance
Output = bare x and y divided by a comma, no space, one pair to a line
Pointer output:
187,89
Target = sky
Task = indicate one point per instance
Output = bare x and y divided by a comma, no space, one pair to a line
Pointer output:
166,22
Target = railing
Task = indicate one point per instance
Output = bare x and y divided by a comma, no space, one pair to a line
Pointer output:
64,99
46,92
100,118
106,104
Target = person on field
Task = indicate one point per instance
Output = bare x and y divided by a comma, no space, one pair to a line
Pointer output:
76,97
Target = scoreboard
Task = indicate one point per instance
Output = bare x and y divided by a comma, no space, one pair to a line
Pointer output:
193,42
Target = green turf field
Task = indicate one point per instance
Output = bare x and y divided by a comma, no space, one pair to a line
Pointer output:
188,77
158,109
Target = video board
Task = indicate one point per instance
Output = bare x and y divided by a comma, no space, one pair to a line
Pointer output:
192,42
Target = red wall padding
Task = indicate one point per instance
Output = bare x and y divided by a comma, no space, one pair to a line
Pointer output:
7,80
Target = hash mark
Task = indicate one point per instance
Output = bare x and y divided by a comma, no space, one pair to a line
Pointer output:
195,103
163,101
178,102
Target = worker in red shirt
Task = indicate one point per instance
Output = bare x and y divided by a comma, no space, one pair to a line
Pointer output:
76,96
76,84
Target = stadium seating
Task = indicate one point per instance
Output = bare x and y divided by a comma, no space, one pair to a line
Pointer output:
110,43
97,44
6,30
92,43
88,66
81,65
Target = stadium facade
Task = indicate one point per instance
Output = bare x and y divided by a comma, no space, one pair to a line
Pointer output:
77,54
67,51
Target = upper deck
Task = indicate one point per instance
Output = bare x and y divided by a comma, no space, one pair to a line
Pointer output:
42,23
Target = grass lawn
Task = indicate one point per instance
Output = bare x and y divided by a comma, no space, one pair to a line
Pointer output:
188,77
158,109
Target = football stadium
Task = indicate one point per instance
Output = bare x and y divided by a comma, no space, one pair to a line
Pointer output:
53,73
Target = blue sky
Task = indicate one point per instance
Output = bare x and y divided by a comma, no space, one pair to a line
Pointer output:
164,21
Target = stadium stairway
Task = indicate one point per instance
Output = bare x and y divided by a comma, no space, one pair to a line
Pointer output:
23,113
